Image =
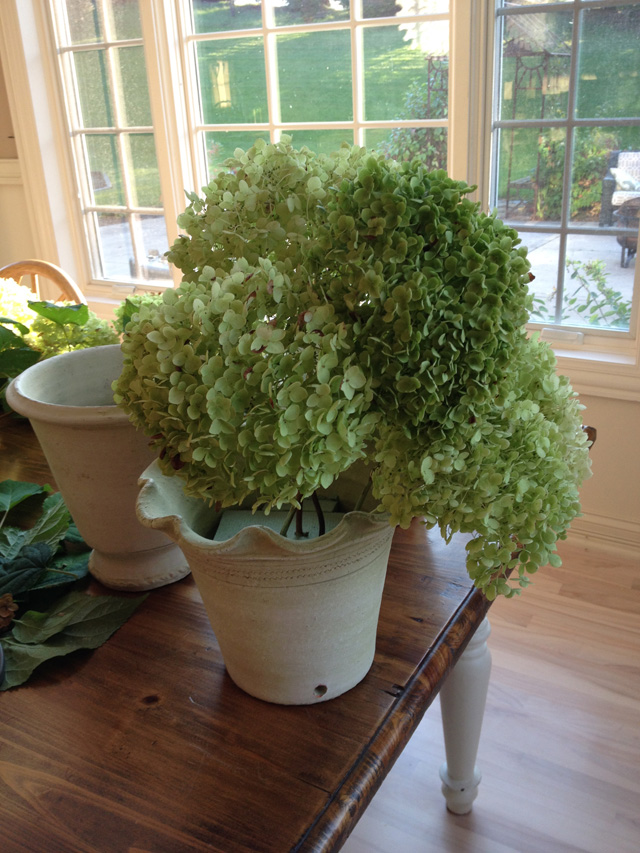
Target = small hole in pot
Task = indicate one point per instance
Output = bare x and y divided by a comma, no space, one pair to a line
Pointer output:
320,690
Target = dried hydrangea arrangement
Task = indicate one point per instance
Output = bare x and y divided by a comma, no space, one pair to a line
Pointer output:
347,307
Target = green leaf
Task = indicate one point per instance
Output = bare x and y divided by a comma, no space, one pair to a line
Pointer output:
19,581
11,541
77,315
14,361
64,569
19,574
13,492
9,339
53,524
73,537
24,330
78,621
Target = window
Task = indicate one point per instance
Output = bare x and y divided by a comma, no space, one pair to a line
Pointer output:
103,69
404,76
372,72
567,154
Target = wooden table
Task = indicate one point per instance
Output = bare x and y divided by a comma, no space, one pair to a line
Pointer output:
145,744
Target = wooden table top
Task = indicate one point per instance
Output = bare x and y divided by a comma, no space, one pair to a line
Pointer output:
145,744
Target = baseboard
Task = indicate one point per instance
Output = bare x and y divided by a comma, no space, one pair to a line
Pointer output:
602,532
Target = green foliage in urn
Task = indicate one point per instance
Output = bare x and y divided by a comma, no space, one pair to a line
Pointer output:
346,308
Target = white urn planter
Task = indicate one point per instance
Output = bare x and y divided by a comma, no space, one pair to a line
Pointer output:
296,620
96,456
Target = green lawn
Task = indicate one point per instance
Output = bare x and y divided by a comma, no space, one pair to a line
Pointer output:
315,85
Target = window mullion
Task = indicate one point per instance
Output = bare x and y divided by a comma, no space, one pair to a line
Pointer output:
270,45
169,109
357,72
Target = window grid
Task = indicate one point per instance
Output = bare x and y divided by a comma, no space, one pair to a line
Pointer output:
565,228
80,134
356,24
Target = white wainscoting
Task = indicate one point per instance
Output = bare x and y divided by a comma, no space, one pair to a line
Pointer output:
16,241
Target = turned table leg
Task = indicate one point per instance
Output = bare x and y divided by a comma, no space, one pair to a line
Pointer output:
462,701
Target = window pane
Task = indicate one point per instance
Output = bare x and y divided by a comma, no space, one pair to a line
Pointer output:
620,174
93,89
116,248
605,173
609,62
530,174
389,8
544,256
84,23
536,60
144,179
221,144
233,86
598,281
321,141
125,19
104,166
309,11
153,265
134,91
532,2
222,16
314,72
406,79
405,143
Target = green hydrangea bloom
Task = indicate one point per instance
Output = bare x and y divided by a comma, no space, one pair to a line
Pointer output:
346,308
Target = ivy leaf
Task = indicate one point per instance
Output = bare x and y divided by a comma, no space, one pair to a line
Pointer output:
77,315
78,621
13,492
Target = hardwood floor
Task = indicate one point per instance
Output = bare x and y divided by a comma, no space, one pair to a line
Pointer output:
560,749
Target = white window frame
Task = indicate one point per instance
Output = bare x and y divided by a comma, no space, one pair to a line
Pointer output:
607,367
591,355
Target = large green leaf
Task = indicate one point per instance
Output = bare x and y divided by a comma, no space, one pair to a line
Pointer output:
13,492
9,339
53,523
12,539
16,359
77,621
24,330
77,315
64,569
19,574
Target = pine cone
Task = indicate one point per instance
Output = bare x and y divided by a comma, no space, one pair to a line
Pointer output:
7,609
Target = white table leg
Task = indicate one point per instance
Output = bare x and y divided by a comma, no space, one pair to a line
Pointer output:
462,701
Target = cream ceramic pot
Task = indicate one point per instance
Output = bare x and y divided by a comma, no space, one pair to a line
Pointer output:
96,456
296,620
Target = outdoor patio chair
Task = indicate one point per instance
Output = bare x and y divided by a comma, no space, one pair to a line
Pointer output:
620,184
628,216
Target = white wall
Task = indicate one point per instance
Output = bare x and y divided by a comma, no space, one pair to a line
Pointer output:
611,497
16,242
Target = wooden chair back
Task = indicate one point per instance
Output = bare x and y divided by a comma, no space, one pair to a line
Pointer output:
68,289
